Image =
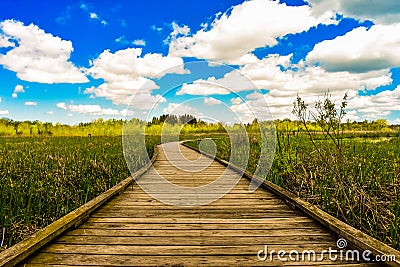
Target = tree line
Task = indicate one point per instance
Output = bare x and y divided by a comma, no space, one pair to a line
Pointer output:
114,127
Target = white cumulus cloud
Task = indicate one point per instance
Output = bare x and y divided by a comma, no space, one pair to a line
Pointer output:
139,42
210,101
360,50
38,56
277,74
88,109
381,12
181,109
233,81
18,89
250,25
376,106
127,73
285,81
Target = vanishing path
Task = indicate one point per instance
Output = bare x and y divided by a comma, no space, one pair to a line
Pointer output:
133,228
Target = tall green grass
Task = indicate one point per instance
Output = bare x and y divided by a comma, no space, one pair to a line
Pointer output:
42,179
361,186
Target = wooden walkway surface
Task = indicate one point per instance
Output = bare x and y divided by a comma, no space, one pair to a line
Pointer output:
135,229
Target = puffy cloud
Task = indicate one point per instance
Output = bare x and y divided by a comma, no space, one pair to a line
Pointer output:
274,74
122,40
231,82
50,112
230,40
382,12
93,15
378,105
89,109
177,31
18,89
360,50
139,42
122,92
277,74
285,80
138,100
38,56
351,115
236,100
359,107
128,63
62,105
126,73
30,103
156,28
262,107
145,101
210,101
181,109
203,87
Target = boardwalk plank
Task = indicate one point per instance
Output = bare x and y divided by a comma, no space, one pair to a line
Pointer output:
129,260
193,240
200,232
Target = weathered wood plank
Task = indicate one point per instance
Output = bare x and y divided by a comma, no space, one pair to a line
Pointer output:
221,206
178,250
161,208
192,215
199,232
201,220
154,260
138,202
193,240
232,226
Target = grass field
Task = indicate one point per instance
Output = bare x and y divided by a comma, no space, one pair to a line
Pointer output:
42,179
360,185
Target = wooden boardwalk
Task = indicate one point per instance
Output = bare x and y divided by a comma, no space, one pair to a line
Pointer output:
134,229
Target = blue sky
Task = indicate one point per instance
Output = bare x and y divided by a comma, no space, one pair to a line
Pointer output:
73,61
